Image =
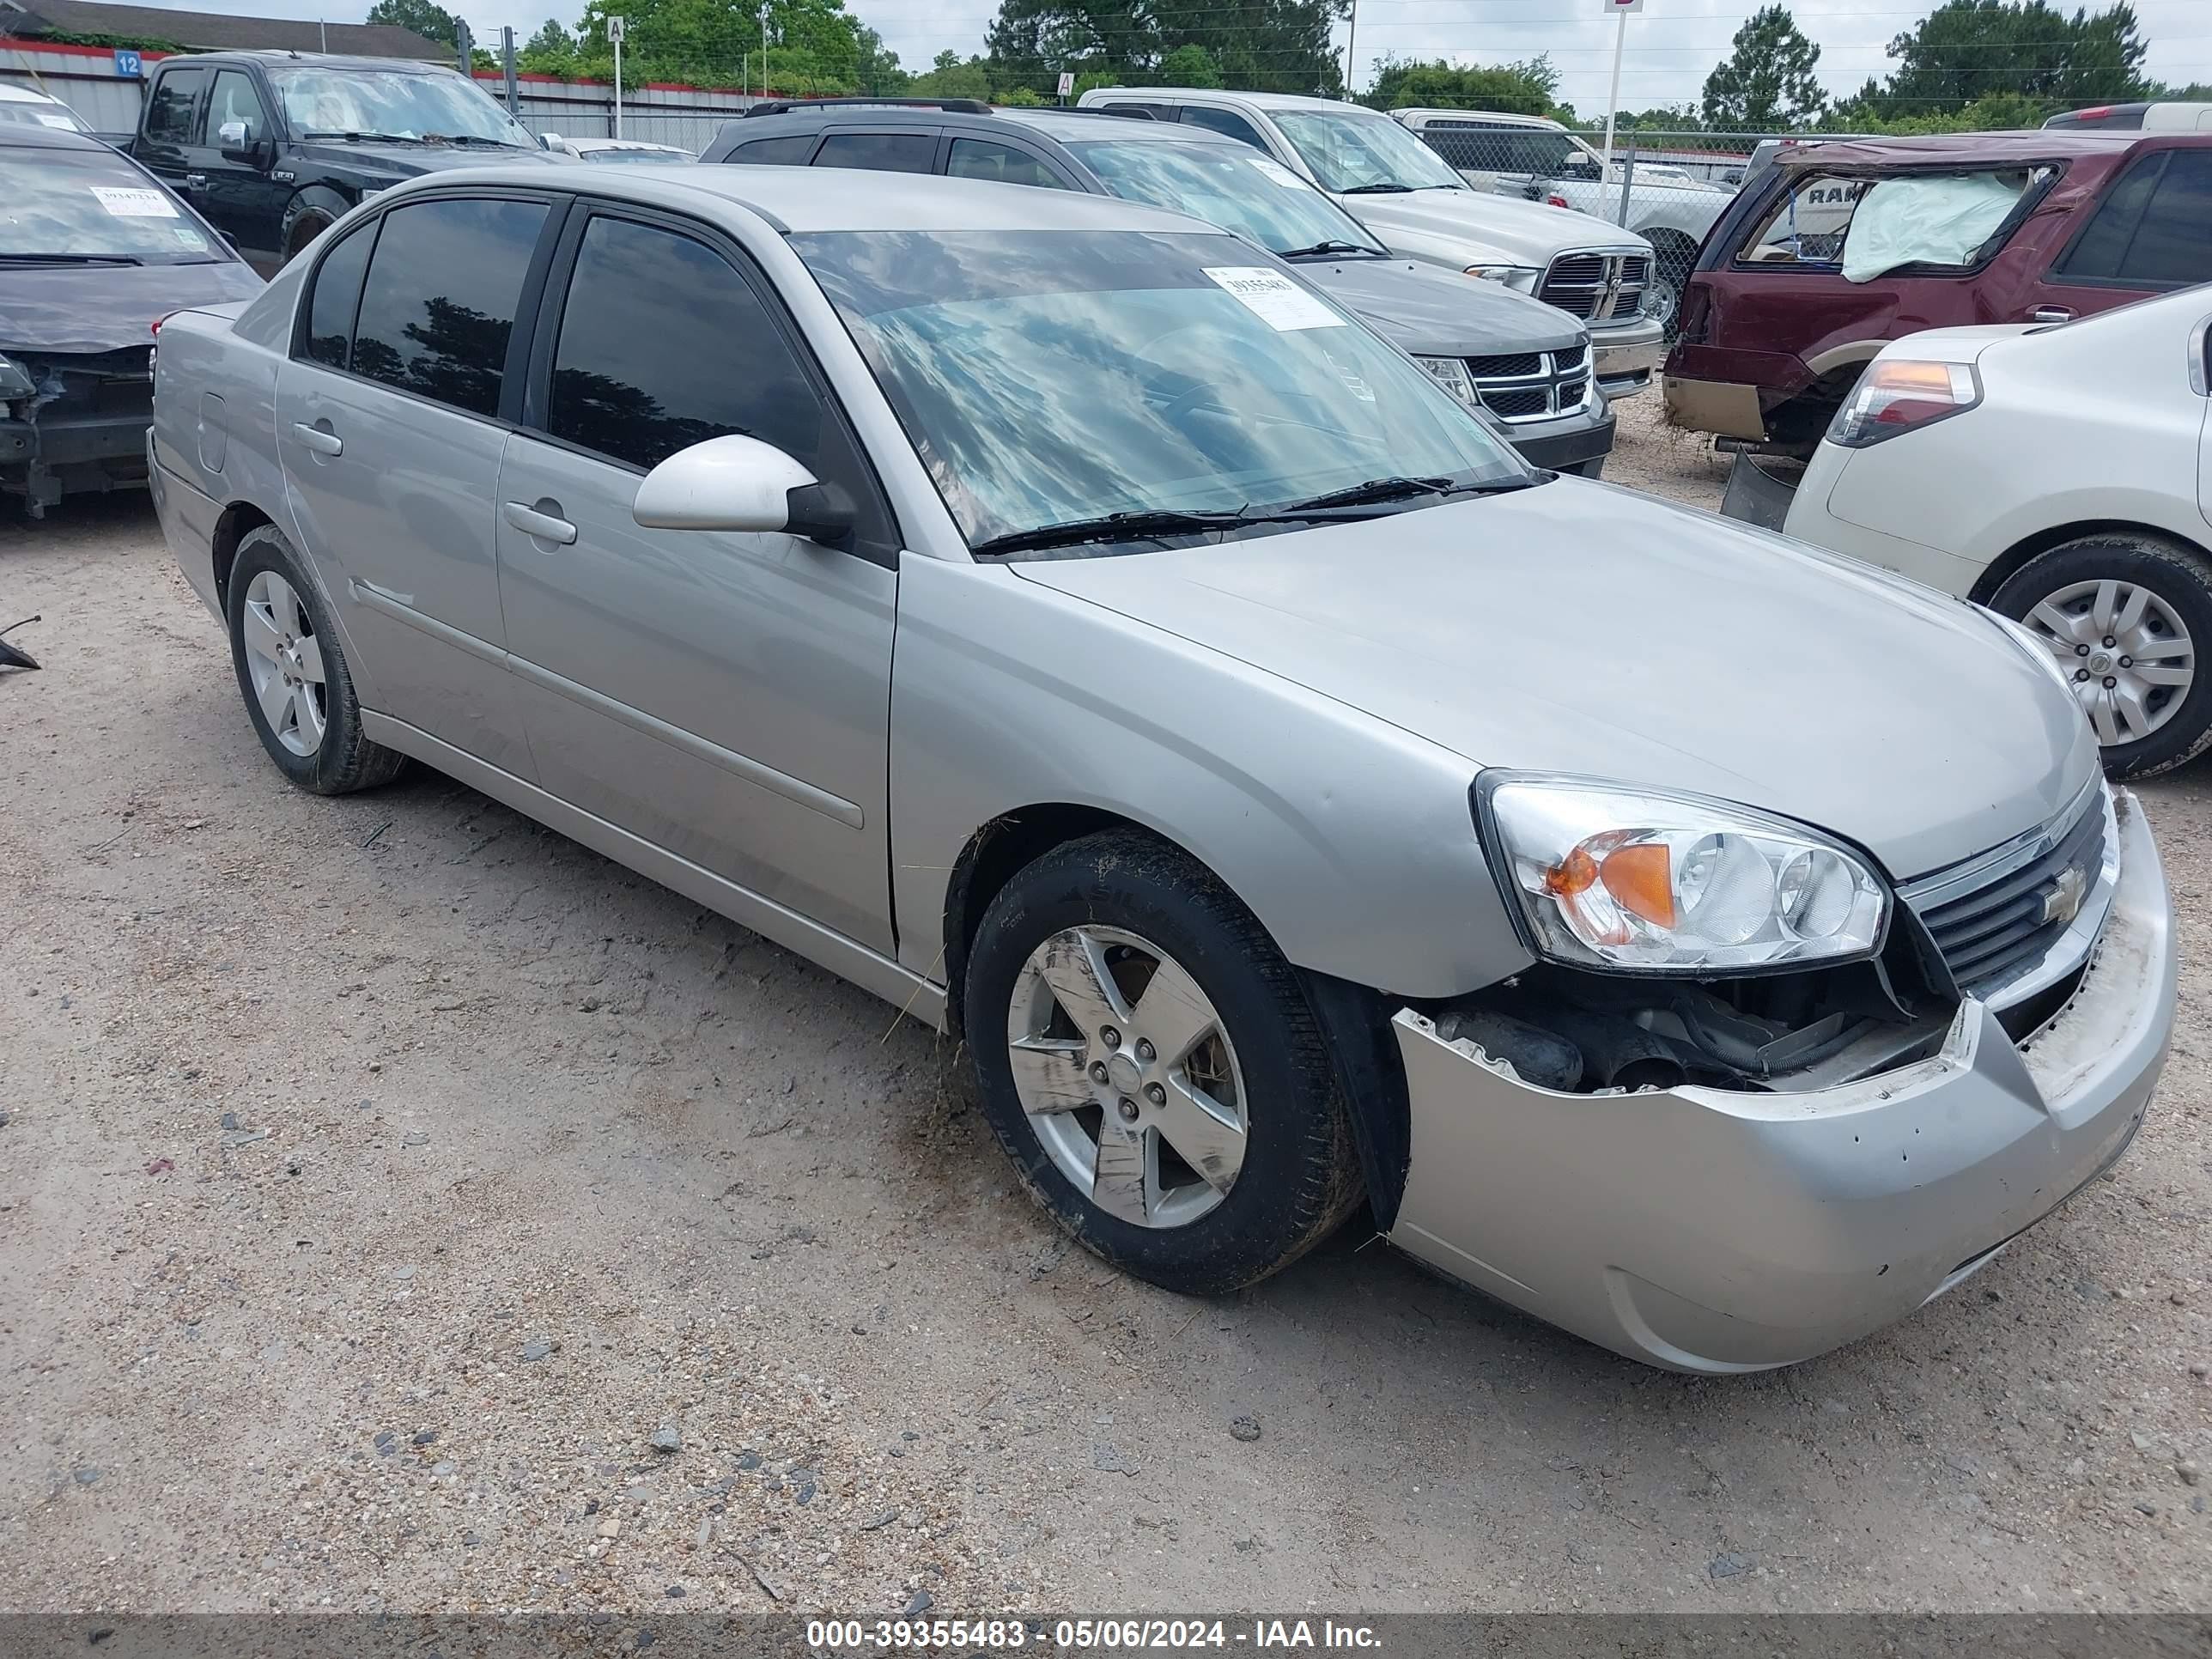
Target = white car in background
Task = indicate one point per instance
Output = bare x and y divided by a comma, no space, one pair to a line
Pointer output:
2061,475
31,107
623,151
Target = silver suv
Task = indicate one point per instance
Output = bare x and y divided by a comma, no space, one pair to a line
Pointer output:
1399,188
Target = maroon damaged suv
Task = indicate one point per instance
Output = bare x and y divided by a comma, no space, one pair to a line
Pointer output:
1783,310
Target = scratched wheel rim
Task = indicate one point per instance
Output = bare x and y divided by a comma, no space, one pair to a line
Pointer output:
2126,651
284,661
1125,1071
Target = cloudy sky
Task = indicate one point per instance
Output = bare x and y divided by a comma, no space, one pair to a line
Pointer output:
1672,44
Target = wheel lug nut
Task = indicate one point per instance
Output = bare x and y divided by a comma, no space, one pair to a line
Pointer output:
2080,650
2080,673
1146,1052
1110,1038
1157,1095
1097,1070
1128,1110
2127,662
2109,682
2110,641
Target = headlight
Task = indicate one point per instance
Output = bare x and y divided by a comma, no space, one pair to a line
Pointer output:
1451,373
15,380
2037,646
1632,879
1521,277
1897,395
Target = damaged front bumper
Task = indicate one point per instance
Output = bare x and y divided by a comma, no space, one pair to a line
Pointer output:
82,428
1706,1229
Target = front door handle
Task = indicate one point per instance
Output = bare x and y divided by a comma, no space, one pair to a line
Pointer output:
319,438
2051,314
194,180
543,520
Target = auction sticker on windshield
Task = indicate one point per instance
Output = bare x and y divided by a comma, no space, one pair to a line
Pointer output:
1274,298
1276,171
131,203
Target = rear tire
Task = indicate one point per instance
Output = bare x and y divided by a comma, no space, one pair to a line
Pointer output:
292,672
307,216
2151,706
1674,257
1150,917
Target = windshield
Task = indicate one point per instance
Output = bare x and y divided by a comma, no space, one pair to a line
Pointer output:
91,206
23,112
392,104
1353,152
1051,378
1261,200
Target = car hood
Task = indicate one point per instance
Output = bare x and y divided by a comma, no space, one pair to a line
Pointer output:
1530,232
1581,628
105,307
407,160
1434,312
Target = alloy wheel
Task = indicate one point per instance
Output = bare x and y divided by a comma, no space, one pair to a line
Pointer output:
2126,649
285,663
1128,1076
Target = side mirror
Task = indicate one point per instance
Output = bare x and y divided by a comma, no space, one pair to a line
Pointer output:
737,483
236,140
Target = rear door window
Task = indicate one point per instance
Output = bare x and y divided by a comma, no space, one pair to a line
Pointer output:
1808,225
169,110
438,307
789,151
879,152
1223,121
2154,229
336,298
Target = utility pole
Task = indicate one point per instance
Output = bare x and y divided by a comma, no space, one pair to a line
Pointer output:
763,23
1351,40
464,45
616,27
1619,8
506,55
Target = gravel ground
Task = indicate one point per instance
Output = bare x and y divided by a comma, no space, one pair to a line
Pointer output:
401,1208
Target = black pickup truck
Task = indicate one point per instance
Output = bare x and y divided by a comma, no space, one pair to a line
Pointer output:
272,147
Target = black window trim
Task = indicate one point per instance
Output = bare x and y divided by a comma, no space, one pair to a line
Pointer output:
1021,146
560,208
1999,240
537,379
939,147
2150,156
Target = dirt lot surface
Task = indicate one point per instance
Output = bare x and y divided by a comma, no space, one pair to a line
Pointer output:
380,1176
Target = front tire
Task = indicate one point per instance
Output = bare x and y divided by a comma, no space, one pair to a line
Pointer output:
2123,614
292,672
307,216
1150,1064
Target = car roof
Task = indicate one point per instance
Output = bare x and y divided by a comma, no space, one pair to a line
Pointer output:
1256,99
1509,118
801,200
622,143
24,136
1077,126
13,94
2035,144
273,59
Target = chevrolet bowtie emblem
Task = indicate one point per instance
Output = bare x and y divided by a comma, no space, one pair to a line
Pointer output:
2062,900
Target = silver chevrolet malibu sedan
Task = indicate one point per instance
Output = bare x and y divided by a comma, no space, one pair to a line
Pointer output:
1049,613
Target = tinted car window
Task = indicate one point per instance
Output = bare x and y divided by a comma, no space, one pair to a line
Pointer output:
878,152
2155,227
1261,200
439,301
1221,120
80,204
663,345
169,110
234,100
979,158
790,150
336,296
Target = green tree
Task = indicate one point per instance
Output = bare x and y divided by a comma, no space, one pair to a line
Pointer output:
1189,65
1269,46
1768,83
1966,50
813,46
552,51
947,76
1530,88
426,17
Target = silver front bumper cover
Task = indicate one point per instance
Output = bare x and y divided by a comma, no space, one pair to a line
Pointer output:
1627,357
1710,1231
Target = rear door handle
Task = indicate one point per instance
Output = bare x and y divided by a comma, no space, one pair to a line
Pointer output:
544,521
2051,314
320,438
194,180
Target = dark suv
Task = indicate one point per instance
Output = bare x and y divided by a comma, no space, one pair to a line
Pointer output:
1840,248
1525,364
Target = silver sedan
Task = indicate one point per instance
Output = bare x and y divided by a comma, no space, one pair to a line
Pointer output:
1050,614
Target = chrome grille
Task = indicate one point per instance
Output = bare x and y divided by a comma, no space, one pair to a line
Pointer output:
1597,287
1997,915
1531,385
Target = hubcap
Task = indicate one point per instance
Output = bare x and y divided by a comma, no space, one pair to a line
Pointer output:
2126,651
285,663
1128,1076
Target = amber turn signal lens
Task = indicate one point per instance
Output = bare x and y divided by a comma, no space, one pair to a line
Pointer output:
1641,882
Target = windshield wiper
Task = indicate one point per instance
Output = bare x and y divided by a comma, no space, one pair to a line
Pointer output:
1378,189
70,259
471,138
1110,527
368,138
1375,491
1322,248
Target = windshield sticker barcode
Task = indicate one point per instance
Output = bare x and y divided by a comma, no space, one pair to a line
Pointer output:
1274,298
1276,171
128,204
